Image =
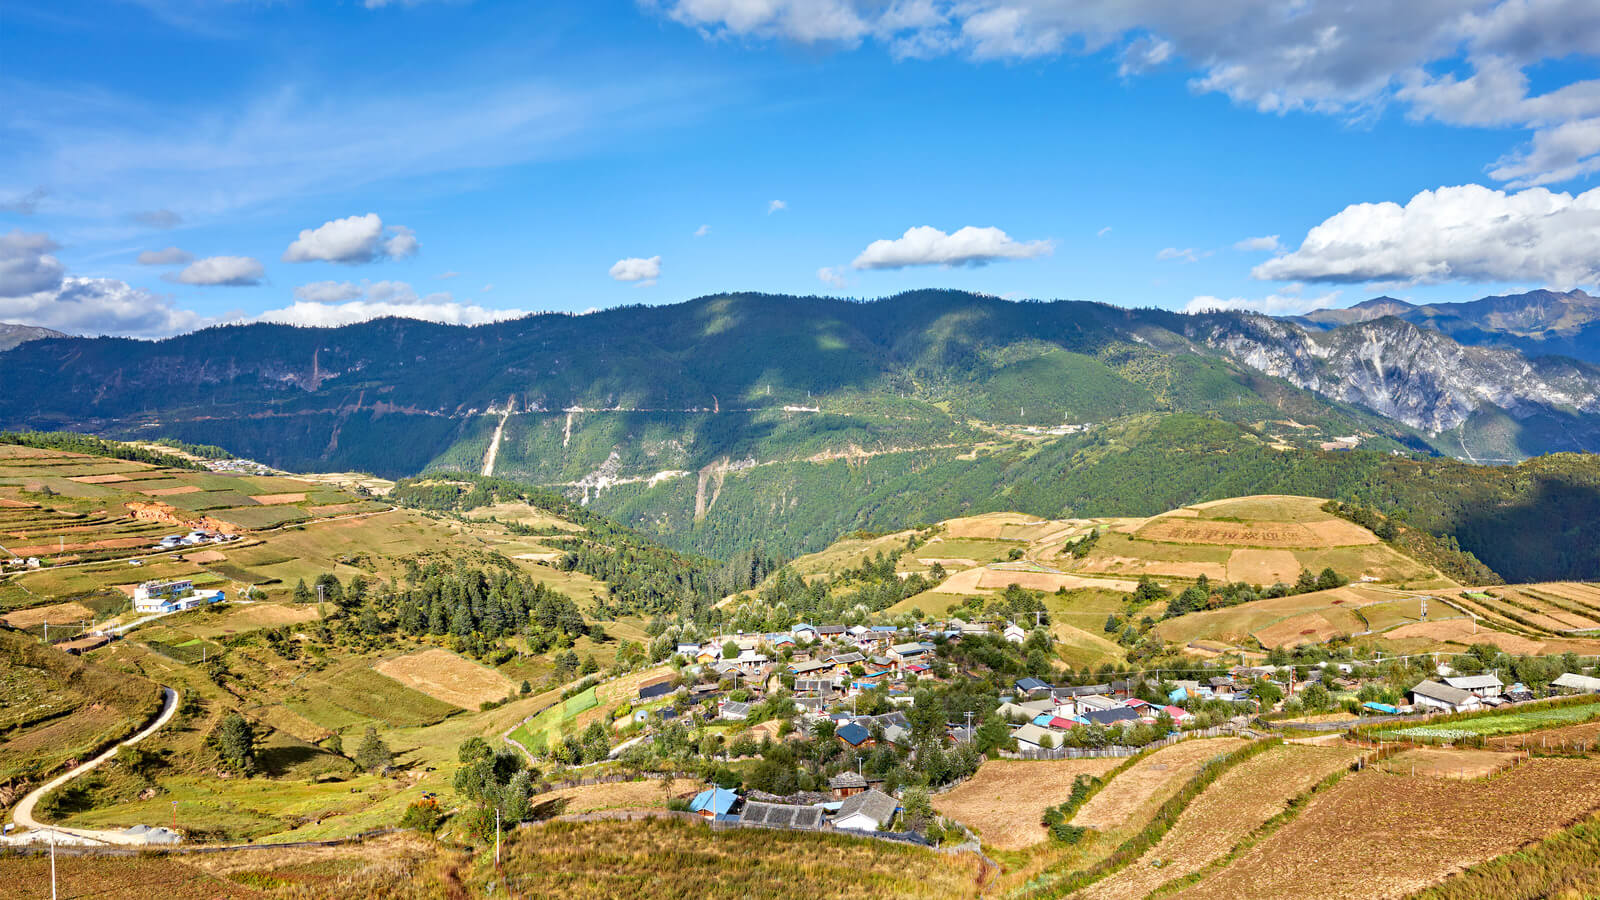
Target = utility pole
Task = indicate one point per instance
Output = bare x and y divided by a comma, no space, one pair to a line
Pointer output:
497,837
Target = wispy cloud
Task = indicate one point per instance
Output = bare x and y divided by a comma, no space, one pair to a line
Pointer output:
776,206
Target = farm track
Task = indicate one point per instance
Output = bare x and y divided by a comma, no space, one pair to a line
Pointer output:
23,814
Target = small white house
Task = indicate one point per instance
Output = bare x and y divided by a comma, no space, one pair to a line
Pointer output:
1015,633
1571,681
171,596
1481,685
869,810
1431,695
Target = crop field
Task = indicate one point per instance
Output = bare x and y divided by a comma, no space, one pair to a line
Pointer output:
1464,764
1003,802
1505,723
358,689
651,793
1382,835
1149,782
1562,738
1240,800
1237,623
54,614
680,860
445,676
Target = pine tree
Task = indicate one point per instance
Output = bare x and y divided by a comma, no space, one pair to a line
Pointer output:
373,754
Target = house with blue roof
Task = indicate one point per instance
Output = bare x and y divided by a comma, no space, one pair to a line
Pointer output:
854,735
1030,685
714,803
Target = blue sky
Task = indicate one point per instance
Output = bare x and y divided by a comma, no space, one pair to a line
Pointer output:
466,159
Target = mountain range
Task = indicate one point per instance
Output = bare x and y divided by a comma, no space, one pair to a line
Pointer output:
747,417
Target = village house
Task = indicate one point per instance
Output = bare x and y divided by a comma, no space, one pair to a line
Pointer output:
1014,633
870,810
1576,683
781,815
846,784
715,803
1435,696
1482,685
1035,737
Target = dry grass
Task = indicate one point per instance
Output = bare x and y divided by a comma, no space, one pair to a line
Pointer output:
1461,631
1150,782
114,878
1242,799
55,614
1570,736
1004,801
676,860
445,676
1380,835
110,478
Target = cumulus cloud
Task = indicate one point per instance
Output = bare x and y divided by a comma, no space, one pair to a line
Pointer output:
433,308
157,218
1287,302
226,271
25,204
637,269
26,264
329,291
776,206
1338,58
101,306
1468,233
1264,244
925,245
702,231
352,240
172,256
831,277
1187,254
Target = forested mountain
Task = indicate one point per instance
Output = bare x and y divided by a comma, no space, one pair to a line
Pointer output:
740,418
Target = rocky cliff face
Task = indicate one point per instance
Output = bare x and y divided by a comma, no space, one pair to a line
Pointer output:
1415,375
12,334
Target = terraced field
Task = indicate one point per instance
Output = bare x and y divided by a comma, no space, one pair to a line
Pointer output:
1242,799
1350,842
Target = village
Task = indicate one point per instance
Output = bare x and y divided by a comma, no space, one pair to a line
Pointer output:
816,679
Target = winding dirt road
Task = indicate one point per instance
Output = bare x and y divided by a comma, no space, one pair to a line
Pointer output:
23,814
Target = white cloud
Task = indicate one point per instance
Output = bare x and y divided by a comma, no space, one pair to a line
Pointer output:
101,306
928,246
1287,302
637,269
487,288
702,231
330,291
229,271
1264,244
433,308
1468,233
447,275
172,256
355,239
776,206
1338,58
1188,254
26,264
831,277
1103,232
157,218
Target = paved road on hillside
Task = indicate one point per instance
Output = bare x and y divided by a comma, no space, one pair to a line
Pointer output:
23,815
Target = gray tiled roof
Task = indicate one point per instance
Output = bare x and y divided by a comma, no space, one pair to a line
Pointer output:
874,804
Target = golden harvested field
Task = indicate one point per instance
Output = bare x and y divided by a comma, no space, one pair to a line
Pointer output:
1150,782
109,478
1462,631
1263,566
55,614
1233,806
651,793
172,491
275,499
985,580
1379,835
205,556
1004,801
239,617
445,676
1464,764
